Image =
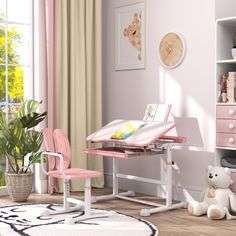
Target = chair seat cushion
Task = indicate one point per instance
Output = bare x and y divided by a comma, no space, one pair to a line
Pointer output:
75,173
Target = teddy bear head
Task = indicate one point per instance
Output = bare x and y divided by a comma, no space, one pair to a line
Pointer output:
133,29
133,33
218,177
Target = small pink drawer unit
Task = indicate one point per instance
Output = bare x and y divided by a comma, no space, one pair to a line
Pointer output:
226,140
226,112
226,132
226,126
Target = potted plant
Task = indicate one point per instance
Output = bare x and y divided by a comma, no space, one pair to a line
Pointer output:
20,144
234,47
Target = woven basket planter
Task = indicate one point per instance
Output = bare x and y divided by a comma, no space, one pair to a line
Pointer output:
19,186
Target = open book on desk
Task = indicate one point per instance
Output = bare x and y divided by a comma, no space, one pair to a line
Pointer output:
143,136
128,129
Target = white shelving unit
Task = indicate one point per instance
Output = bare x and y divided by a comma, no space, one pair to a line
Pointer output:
225,112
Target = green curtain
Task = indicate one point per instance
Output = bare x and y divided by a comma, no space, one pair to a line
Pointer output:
78,78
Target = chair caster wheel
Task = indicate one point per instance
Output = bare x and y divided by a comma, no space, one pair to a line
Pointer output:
144,212
69,221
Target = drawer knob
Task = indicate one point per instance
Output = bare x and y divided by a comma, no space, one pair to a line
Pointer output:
231,112
231,140
231,126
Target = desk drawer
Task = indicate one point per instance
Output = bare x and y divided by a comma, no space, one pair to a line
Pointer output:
227,140
226,126
226,112
122,152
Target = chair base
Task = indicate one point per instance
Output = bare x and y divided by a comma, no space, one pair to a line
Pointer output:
94,214
63,210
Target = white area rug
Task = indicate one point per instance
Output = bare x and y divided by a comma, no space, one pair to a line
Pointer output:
24,220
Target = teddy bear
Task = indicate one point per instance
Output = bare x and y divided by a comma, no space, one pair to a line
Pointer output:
219,201
133,32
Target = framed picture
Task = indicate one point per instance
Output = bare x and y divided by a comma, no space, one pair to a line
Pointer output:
130,37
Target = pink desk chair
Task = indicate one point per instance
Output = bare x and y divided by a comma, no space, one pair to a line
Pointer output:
59,158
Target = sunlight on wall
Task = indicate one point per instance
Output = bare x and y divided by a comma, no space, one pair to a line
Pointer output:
206,123
170,92
186,106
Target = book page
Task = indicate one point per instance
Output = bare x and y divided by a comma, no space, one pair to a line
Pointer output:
150,112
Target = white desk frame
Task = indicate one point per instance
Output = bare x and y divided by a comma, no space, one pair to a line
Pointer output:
159,146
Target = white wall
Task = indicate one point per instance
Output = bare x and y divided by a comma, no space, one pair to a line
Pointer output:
189,87
225,8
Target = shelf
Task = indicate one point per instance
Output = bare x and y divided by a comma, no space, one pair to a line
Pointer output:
226,20
229,61
226,148
225,104
225,31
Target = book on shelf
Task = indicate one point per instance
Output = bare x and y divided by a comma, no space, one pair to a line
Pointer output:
227,88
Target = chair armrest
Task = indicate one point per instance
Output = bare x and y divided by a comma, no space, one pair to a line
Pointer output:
58,155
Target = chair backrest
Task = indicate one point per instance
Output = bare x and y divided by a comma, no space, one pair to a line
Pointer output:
62,146
49,144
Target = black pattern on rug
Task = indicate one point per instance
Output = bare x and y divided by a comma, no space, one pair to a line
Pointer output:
25,220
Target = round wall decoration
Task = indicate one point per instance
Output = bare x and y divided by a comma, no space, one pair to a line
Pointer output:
171,50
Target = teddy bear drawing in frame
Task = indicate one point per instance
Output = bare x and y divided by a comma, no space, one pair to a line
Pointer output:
133,33
219,201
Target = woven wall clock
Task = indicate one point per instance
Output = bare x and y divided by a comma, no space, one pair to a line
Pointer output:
171,50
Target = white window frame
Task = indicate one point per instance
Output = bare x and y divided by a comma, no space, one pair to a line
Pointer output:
29,83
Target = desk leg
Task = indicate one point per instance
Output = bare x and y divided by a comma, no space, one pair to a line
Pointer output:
115,190
169,204
169,177
87,197
115,178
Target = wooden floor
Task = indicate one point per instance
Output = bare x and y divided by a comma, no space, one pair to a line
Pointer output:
175,222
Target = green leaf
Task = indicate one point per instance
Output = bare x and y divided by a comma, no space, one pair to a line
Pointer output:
3,121
17,138
36,158
33,119
28,107
34,140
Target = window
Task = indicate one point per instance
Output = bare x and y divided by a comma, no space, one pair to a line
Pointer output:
16,67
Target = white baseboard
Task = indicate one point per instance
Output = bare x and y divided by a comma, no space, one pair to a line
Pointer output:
40,179
41,186
180,193
3,191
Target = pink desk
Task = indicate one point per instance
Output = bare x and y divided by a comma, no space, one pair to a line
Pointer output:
147,141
